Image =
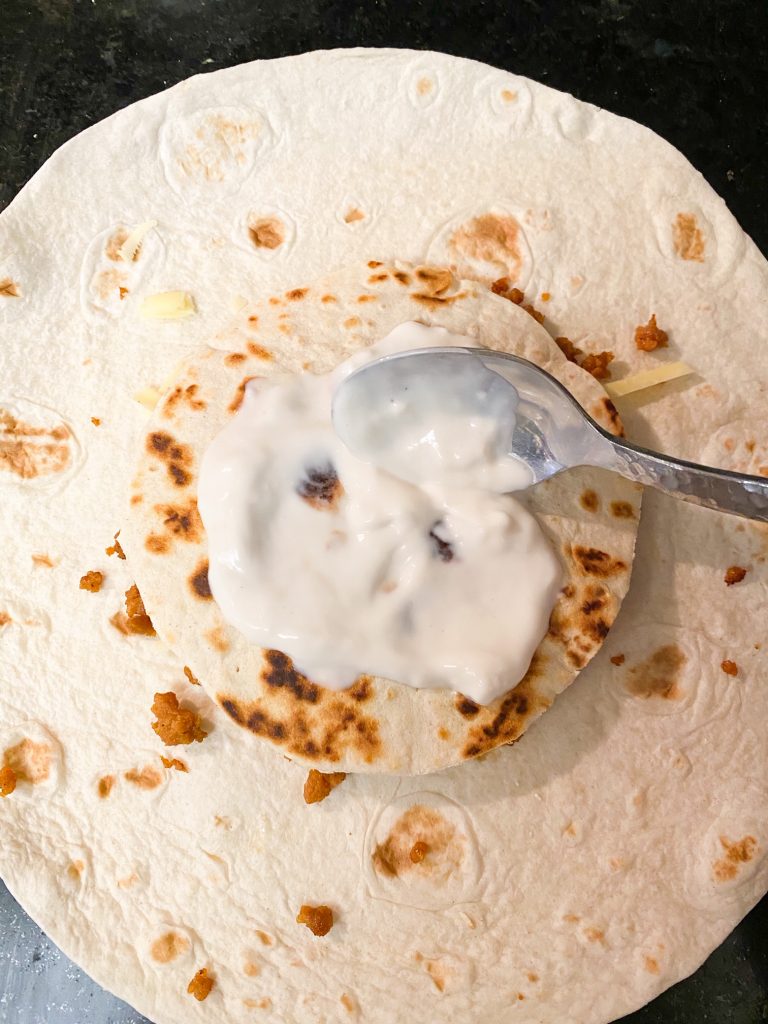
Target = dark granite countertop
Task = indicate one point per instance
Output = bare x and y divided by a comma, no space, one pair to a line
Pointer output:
694,71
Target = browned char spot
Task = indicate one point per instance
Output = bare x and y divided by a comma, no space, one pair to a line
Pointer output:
437,301
736,853
168,947
258,351
198,582
465,706
505,719
595,562
296,293
622,510
490,238
429,830
280,673
104,786
401,277
177,457
687,239
593,934
30,452
180,522
144,778
434,280
267,233
237,401
235,358
182,395
44,561
658,675
590,501
9,288
362,689
617,427
305,719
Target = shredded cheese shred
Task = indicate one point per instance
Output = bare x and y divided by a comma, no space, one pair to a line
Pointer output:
148,397
647,379
167,306
129,248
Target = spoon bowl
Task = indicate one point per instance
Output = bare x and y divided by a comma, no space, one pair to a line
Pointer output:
543,425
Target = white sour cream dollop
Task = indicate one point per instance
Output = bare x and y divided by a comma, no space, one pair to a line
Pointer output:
437,580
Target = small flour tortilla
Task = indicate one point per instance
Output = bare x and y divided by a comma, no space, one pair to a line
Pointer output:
572,876
378,725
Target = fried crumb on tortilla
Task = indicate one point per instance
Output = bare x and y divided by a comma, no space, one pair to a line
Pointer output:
319,785
729,667
201,985
174,762
137,621
319,920
734,574
596,363
191,676
569,350
96,421
649,337
503,287
419,851
618,659
115,549
7,780
92,581
176,725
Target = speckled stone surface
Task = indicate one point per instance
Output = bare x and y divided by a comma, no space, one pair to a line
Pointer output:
694,70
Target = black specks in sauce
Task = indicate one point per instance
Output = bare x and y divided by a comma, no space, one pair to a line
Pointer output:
320,487
441,548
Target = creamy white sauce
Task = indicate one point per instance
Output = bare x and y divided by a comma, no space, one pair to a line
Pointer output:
432,424
445,583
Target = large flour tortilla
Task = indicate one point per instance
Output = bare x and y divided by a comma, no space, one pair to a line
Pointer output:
589,516
575,874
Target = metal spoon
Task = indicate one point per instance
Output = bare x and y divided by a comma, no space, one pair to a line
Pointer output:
551,431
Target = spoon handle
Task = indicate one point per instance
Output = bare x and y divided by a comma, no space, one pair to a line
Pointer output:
736,493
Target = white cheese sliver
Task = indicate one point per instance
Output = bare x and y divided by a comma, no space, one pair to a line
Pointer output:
647,379
130,246
167,306
148,397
